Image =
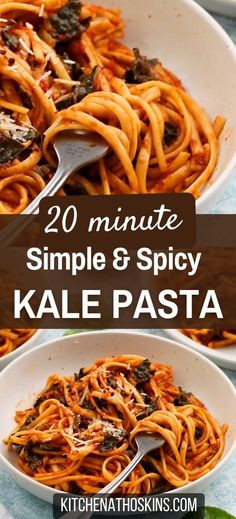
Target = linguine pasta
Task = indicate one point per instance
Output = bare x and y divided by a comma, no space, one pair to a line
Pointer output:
10,340
80,433
213,339
62,66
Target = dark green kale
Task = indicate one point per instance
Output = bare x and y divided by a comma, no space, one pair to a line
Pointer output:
111,441
162,486
171,133
198,433
142,70
10,149
26,98
73,68
142,372
78,376
149,410
39,401
32,460
80,91
112,382
47,447
17,448
66,22
53,392
10,40
75,191
86,85
88,405
74,489
183,398
29,420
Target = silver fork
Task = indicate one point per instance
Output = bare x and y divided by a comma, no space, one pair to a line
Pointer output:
146,442
75,150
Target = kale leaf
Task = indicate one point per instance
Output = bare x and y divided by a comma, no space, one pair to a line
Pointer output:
142,70
111,441
183,398
198,433
78,376
32,460
26,98
171,133
149,410
49,447
142,372
87,405
29,420
66,22
80,91
10,40
10,149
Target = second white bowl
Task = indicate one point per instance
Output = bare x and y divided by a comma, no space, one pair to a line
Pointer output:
26,376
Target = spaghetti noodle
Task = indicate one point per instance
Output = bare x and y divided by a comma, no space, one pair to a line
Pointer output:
79,435
62,67
10,340
214,339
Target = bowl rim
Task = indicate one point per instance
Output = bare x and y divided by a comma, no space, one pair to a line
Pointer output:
187,488
10,357
176,335
212,187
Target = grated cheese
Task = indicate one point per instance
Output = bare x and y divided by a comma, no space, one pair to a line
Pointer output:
3,20
84,395
29,25
69,82
25,47
8,126
44,76
119,385
69,61
41,11
106,426
48,93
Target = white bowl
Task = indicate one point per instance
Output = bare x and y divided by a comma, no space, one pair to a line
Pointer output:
28,345
193,45
223,357
26,376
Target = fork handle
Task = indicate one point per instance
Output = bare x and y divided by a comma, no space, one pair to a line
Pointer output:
111,487
50,189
